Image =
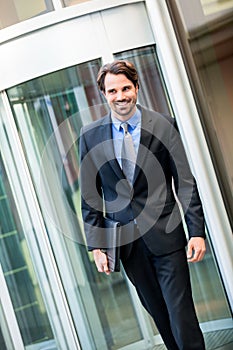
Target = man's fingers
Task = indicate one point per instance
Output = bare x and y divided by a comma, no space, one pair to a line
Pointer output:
189,252
103,269
196,249
101,261
196,256
106,269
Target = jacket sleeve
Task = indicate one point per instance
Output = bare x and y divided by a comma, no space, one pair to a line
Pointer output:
91,198
185,186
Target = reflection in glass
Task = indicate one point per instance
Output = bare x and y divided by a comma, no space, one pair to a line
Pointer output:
14,11
152,90
19,273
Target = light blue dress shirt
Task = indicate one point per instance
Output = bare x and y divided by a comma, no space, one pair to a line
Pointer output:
134,127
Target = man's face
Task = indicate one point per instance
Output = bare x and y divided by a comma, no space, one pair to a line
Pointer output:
121,95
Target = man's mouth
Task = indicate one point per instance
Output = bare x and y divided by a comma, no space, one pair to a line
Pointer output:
122,103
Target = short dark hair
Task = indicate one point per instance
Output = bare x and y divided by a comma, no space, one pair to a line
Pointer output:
117,67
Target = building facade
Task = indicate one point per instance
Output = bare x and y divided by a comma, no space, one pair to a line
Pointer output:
52,297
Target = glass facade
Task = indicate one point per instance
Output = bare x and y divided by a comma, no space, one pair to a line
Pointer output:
15,11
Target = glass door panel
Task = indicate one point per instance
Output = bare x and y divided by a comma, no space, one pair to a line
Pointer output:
49,112
19,273
5,338
152,90
209,296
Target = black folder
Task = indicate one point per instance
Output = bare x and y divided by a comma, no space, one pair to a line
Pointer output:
112,246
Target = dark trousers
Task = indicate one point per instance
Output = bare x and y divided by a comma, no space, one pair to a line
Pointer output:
163,286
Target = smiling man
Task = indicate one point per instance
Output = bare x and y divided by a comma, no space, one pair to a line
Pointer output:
121,95
142,150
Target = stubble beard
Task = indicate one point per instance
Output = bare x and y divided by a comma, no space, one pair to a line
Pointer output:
124,109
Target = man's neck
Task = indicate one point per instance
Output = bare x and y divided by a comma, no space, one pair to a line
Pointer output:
124,118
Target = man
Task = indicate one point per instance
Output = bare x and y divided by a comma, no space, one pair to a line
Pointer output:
155,260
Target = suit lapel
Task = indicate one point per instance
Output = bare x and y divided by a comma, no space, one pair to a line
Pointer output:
145,140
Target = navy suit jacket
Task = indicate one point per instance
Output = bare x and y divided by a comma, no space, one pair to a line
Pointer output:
163,183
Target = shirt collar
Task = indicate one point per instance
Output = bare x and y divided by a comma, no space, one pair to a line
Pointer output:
133,121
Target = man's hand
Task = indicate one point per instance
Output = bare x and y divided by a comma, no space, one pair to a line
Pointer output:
196,249
101,261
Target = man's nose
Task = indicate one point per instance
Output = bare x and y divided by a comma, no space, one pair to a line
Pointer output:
120,95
